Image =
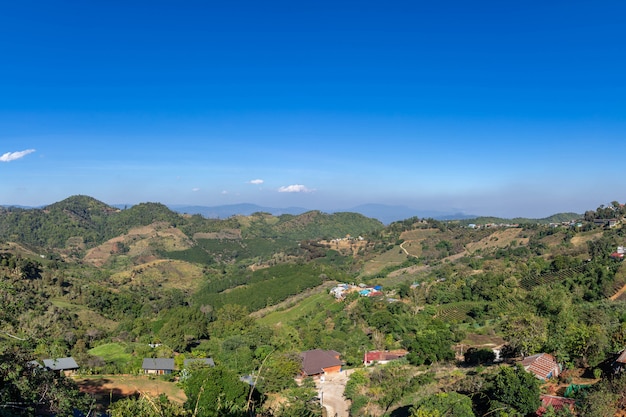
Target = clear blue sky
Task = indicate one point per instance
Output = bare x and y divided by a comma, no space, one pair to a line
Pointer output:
486,107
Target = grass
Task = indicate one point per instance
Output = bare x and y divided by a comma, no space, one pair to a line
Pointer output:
302,308
112,353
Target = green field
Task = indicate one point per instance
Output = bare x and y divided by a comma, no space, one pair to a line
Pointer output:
117,353
302,308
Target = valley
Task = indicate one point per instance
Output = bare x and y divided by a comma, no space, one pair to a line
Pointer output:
467,300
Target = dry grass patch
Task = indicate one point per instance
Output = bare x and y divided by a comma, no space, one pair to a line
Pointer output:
138,242
166,273
499,239
419,234
583,238
231,234
394,256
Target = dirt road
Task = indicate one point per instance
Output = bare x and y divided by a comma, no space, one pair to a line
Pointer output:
331,393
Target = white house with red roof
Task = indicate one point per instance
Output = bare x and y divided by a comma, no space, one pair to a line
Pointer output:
543,365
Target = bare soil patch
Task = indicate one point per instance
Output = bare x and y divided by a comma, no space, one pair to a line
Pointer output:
108,389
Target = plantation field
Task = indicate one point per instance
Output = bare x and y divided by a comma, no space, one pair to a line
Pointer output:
303,307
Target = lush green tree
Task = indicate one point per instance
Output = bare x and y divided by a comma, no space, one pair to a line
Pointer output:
299,401
231,319
27,389
526,332
431,344
446,404
279,370
516,388
145,406
216,392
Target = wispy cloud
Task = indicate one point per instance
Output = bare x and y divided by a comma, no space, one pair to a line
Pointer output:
256,182
12,156
195,190
295,188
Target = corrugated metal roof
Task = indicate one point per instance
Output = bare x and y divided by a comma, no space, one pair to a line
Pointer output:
158,363
60,364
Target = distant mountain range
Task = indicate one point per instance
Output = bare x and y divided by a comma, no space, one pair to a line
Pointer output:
384,213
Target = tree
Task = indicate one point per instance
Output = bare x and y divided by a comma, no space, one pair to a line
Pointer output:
145,406
216,392
450,404
27,389
515,388
526,332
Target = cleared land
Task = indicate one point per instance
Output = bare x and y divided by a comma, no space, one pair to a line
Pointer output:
111,388
167,273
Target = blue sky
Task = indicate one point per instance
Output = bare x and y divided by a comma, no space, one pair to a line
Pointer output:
492,107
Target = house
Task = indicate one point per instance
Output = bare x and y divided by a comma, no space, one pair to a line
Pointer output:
66,365
157,366
544,366
199,361
383,356
557,403
318,362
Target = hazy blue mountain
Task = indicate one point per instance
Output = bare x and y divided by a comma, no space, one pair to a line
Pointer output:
225,211
388,214
384,213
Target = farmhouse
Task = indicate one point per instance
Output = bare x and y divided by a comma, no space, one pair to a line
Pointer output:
66,365
318,362
383,356
157,366
542,365
557,403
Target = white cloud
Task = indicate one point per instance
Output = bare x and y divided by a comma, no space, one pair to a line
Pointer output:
12,156
224,192
257,181
195,190
295,188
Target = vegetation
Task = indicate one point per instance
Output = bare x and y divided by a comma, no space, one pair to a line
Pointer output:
110,287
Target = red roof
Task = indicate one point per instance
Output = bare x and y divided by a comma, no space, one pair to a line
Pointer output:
543,365
387,355
556,402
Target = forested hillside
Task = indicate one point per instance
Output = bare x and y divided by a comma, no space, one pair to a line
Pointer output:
111,287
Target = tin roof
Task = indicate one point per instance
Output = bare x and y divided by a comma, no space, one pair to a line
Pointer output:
60,364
